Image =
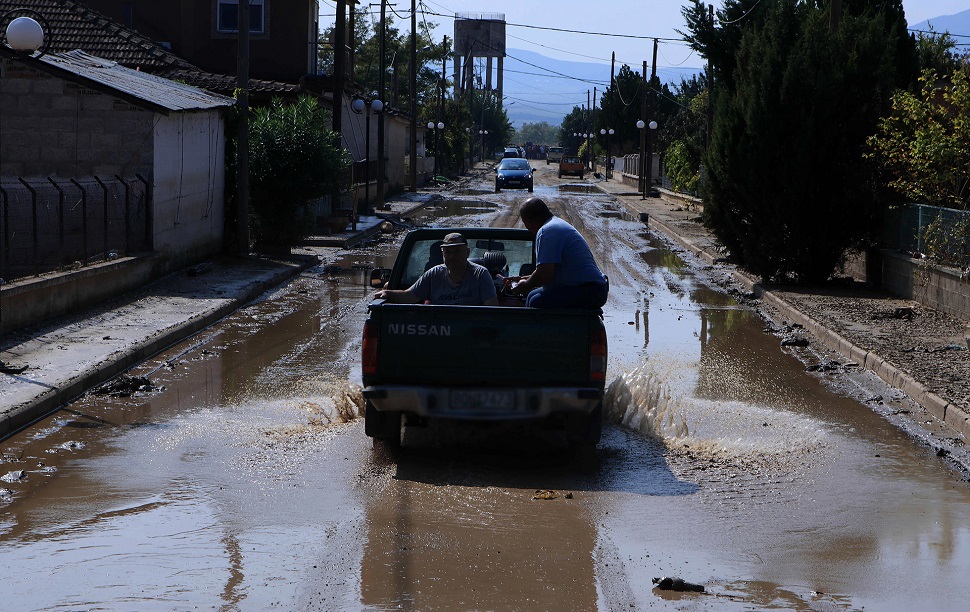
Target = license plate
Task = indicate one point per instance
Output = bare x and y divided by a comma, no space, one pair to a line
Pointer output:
483,399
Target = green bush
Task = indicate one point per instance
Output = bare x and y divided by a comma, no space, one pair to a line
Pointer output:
681,168
293,159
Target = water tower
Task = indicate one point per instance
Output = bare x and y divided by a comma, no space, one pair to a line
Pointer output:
479,35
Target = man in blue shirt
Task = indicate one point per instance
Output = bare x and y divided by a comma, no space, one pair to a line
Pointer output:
566,275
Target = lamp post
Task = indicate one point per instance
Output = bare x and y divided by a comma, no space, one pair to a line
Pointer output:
468,139
432,126
609,160
359,105
646,157
24,35
481,135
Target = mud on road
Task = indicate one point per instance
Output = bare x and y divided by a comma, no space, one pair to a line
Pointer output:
246,482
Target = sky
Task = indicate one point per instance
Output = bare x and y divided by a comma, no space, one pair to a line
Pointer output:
591,31
625,27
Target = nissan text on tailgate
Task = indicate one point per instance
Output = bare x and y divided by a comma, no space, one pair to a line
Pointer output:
480,363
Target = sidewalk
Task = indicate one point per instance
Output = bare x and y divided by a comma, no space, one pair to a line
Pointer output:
67,356
924,356
70,355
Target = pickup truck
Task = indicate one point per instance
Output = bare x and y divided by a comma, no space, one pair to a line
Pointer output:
479,363
554,154
570,164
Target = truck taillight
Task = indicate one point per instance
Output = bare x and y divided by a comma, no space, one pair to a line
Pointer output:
369,349
597,353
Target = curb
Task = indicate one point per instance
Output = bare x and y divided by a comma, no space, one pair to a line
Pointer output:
54,398
952,417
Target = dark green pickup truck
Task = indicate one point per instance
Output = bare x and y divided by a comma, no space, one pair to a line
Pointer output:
501,362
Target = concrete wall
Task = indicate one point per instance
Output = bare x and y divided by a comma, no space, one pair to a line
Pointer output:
52,127
944,289
32,300
397,134
188,186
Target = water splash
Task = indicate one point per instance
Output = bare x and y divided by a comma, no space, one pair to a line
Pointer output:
640,400
724,433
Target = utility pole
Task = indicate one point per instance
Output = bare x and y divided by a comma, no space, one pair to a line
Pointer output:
589,127
339,67
414,98
609,157
643,131
471,115
710,85
653,112
592,132
382,96
242,136
441,106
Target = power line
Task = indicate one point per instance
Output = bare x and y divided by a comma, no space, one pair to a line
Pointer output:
937,33
608,34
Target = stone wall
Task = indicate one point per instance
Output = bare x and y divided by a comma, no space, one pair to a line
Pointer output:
53,127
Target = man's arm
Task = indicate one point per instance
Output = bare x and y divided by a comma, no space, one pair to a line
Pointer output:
540,276
397,296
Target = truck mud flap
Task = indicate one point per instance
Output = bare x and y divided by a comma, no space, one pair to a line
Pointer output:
384,426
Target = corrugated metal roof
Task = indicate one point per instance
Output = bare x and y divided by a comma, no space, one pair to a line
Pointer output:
155,90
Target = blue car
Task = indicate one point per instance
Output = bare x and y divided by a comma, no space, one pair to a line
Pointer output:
513,173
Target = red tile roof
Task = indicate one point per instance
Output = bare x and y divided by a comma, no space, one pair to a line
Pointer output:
70,25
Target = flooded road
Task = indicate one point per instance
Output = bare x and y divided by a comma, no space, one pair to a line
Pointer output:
245,482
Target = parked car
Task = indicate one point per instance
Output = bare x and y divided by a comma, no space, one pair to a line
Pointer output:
512,152
572,165
512,173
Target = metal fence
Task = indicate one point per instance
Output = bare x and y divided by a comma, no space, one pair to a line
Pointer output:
52,224
918,228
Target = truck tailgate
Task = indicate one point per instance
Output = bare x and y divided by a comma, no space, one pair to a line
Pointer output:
462,345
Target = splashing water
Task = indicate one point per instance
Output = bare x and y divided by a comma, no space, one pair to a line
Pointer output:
641,401
734,432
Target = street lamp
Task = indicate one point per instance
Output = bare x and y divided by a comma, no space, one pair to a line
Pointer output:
24,34
646,157
432,126
481,135
359,105
609,161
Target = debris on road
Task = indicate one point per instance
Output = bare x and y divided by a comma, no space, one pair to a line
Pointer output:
666,583
126,386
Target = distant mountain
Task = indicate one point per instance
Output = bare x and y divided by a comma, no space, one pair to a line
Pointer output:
540,88
954,24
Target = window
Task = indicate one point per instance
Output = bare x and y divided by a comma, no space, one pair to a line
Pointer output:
227,14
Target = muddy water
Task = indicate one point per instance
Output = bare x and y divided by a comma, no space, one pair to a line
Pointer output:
246,483
780,493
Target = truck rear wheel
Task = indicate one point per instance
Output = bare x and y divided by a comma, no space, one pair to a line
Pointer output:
382,426
585,429
583,432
